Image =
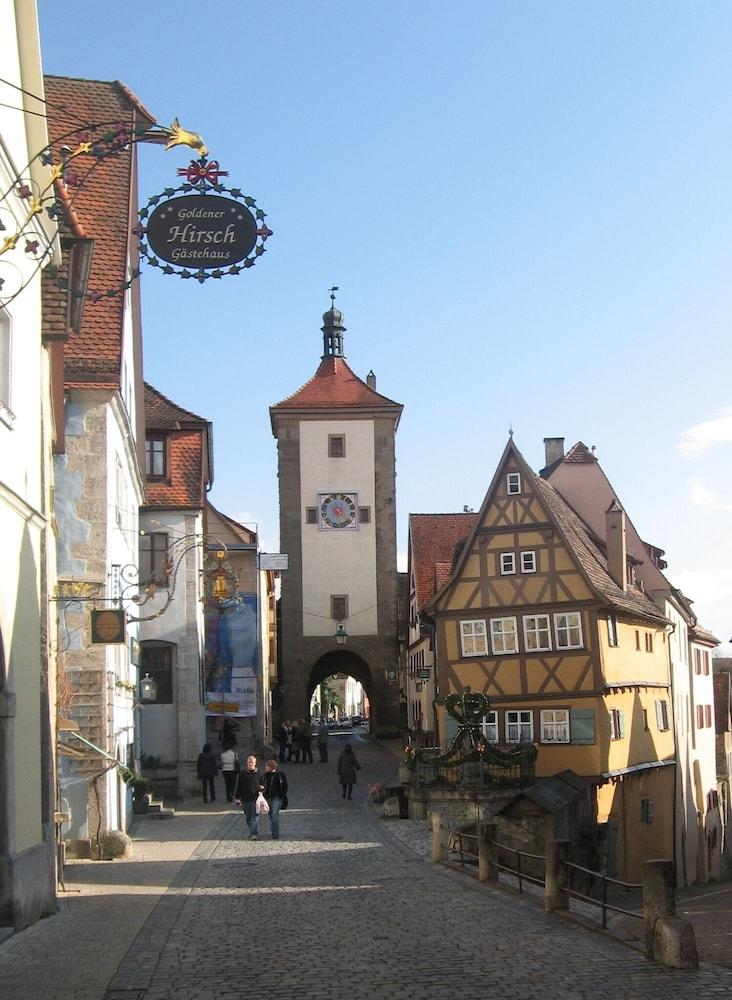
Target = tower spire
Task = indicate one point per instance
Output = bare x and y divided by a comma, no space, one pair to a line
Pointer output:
333,329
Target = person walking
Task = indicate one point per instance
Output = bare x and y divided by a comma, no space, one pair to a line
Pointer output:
275,792
229,768
248,788
281,740
207,769
323,741
347,767
306,741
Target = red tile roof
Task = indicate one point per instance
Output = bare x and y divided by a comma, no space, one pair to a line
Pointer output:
433,539
162,414
92,357
334,386
579,454
189,457
184,485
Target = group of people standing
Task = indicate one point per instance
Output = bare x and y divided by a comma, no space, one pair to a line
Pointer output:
295,741
267,794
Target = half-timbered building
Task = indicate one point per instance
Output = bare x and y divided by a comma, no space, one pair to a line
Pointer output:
537,615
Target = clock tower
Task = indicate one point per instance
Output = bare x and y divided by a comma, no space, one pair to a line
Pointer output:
335,444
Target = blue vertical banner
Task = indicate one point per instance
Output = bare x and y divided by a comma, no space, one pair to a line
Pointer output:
232,658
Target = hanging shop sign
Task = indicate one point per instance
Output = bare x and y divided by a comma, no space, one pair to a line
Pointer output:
202,229
107,627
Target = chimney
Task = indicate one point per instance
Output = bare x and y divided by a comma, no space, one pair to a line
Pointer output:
371,380
553,450
617,556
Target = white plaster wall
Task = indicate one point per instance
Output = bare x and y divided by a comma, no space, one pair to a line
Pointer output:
172,732
338,561
22,505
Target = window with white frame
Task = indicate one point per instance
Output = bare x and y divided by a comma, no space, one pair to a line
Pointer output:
473,638
662,715
489,727
568,630
617,723
503,636
513,483
528,562
519,726
537,636
508,563
555,725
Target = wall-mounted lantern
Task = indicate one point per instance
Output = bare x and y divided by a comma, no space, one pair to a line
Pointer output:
340,634
148,689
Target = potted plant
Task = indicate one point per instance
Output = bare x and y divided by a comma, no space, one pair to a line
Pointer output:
141,788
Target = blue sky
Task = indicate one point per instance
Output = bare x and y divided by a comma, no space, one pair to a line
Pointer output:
527,208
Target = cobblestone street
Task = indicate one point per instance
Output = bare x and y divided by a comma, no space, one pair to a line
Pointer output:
342,904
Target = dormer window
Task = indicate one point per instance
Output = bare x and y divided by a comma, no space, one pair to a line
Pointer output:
155,456
513,483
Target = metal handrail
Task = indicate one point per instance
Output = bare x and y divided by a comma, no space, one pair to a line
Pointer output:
522,876
602,903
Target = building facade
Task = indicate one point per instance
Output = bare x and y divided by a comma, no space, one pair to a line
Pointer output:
580,479
27,567
98,470
337,492
539,617
432,544
172,550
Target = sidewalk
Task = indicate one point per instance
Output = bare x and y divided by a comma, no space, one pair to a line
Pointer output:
36,962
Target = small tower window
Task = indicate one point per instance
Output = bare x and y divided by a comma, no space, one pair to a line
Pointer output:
513,483
336,446
339,607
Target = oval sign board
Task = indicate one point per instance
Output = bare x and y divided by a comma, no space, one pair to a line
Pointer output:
201,231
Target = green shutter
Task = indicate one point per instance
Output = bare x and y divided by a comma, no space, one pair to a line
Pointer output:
582,725
451,727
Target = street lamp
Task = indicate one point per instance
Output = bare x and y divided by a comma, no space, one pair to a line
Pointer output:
340,634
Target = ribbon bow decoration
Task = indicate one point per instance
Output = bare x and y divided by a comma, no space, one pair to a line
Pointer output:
202,170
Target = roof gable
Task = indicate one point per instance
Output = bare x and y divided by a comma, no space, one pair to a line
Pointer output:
570,566
334,386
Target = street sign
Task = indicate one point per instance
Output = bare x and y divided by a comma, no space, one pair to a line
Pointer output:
273,560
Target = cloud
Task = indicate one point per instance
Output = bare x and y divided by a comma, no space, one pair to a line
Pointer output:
705,435
701,496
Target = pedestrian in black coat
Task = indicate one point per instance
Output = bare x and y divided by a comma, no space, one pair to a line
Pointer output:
207,769
347,767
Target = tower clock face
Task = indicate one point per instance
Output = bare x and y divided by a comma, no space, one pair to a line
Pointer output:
338,510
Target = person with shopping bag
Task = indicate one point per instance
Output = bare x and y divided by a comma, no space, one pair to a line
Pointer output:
275,793
248,788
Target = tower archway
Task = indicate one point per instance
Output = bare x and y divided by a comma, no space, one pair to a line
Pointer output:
343,662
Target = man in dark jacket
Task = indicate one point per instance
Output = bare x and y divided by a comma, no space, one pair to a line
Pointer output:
207,769
248,788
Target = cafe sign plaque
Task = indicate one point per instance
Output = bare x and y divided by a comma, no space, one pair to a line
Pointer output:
202,229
